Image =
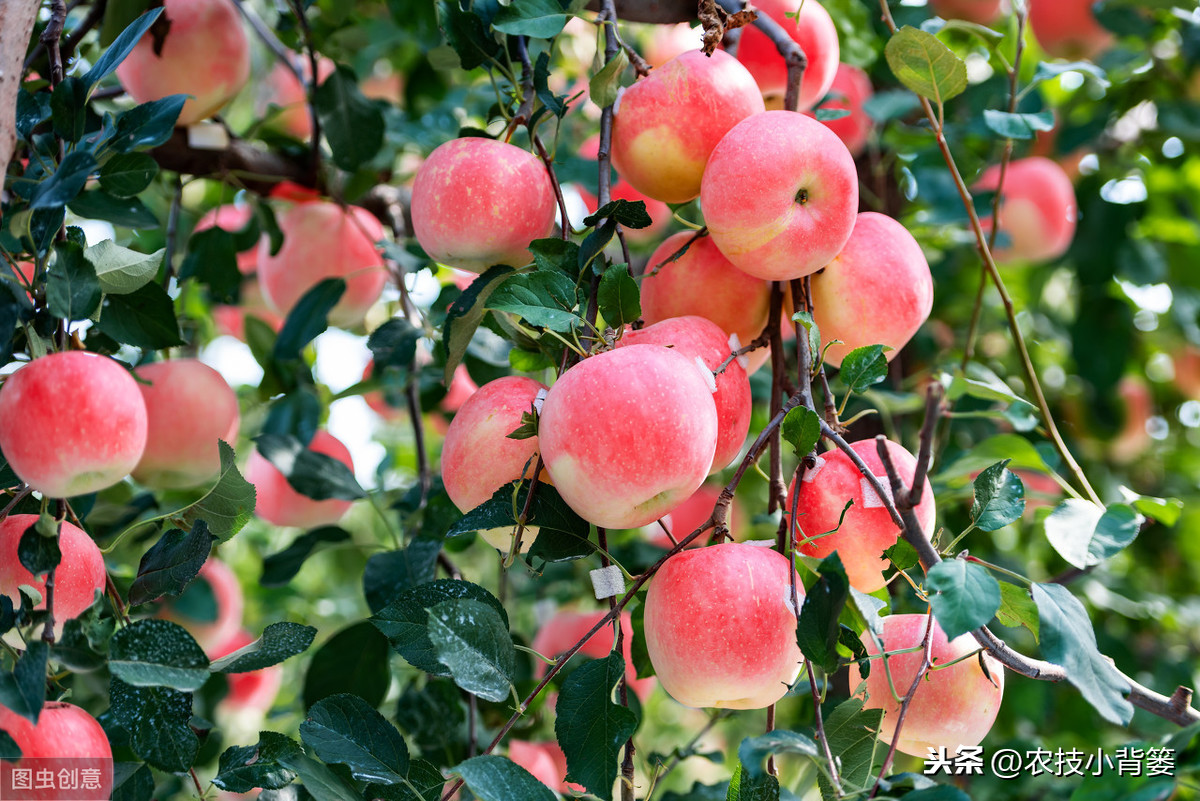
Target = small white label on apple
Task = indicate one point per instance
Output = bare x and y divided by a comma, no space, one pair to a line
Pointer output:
735,344
870,497
539,399
709,378
811,473
607,582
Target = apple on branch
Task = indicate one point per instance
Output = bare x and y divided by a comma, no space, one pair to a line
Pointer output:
79,576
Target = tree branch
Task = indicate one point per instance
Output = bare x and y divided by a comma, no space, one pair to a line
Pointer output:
16,28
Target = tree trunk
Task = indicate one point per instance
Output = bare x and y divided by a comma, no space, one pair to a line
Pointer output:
16,28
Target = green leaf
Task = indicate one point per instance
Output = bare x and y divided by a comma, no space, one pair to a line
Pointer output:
321,783
212,260
817,630
74,650
148,125
66,183
754,750
562,534
244,768
8,747
308,319
435,717
494,778
472,641
394,344
158,721
136,785
902,555
279,641
121,47
544,298
466,33
423,777
830,114
313,475
1067,639
1161,510
96,204
1017,608
127,174
229,505
1019,452
354,660
71,285
171,563
618,297
802,430
144,319
353,125
68,108
925,65
121,270
966,595
850,731
591,728
392,572
1018,126
629,213
747,786
465,315
346,730
539,19
864,367
868,608
157,653
603,86
38,549
1084,534
280,568
23,691
999,498
1047,70
814,331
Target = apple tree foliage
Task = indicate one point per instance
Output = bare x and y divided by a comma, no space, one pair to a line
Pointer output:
404,639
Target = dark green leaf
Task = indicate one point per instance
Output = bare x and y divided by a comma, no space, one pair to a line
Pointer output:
1047,70
394,344
136,785
32,111
831,114
806,321
229,505
864,367
604,85
999,498
850,731
127,174
144,319
171,563
355,660
68,108
493,778
157,653
38,550
279,641
121,270
297,414
562,534
540,19
346,730
212,260
541,84
8,747
66,183
244,768
322,783
96,204
157,719
754,750
1017,608
556,255
472,641
352,124
24,690
925,65
392,572
746,786
148,125
902,555
802,430
629,213
121,47
71,285
435,718
423,777
544,298
73,650
591,728
966,596
308,318
1018,126
466,33
280,568
313,475
618,297
465,315
818,630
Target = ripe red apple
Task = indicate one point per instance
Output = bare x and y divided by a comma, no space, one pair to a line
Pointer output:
281,505
284,90
1038,211
698,338
704,283
323,240
668,123
79,575
878,290
72,423
660,213
629,434
867,529
690,515
813,30
667,41
952,707
478,457
478,202
1068,28
70,737
253,691
981,12
547,763
780,195
720,626
188,408
232,218
566,628
227,593
854,88
205,54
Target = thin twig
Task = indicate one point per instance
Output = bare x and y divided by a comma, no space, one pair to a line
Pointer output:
922,669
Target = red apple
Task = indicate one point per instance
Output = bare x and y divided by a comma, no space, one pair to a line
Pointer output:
547,763
478,202
72,423
232,218
65,738
629,434
566,628
703,282
323,240
952,707
1068,28
1038,210
284,90
701,339
721,628
878,290
867,529
981,12
188,408
780,195
227,593
854,88
255,690
668,41
668,123
281,505
79,575
813,30
205,54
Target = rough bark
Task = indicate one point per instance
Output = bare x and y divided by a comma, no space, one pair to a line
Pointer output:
16,29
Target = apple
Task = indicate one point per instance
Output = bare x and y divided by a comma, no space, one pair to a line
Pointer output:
721,628
188,408
1133,439
253,691
629,434
704,283
566,628
780,195
660,213
205,54
79,575
867,529
323,240
72,423
854,88
232,217
1186,361
478,202
813,30
281,505
878,290
702,340
952,707
546,761
1038,211
690,515
981,12
668,123
667,41
1068,29
227,593
65,737
285,91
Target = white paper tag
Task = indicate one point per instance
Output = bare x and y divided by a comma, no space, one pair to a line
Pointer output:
607,582
539,399
735,344
811,473
870,498
707,374
207,136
